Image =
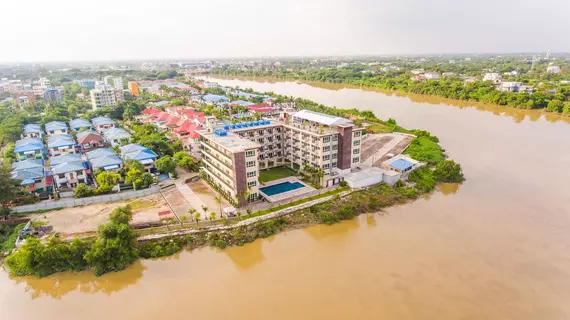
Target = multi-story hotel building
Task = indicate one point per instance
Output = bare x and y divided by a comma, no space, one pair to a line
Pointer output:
234,154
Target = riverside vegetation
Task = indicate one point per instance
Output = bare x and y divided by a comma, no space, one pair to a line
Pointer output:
552,90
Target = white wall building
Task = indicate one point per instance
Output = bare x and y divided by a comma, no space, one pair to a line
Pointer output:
105,95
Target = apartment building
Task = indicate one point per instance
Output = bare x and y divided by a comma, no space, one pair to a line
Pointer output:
52,95
105,95
230,162
115,82
233,154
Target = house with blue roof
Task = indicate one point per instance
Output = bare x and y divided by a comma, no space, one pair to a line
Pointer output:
31,175
401,163
104,159
33,130
61,144
80,124
29,148
56,127
139,153
215,99
102,123
117,136
242,103
68,171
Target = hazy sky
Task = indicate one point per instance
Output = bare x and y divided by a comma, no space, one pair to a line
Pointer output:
62,30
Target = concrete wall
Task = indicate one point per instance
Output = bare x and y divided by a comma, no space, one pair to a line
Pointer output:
52,204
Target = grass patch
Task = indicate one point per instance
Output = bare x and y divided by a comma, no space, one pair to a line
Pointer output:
276,173
294,203
380,128
138,204
425,149
8,236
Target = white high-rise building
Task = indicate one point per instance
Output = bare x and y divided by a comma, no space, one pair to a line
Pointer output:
116,82
104,95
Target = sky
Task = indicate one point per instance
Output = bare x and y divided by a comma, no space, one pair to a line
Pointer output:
102,30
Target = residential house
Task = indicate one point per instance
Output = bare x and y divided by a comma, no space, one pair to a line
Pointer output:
553,69
104,159
117,136
89,140
493,77
60,144
56,127
102,123
68,170
139,153
29,148
417,71
31,174
187,132
401,164
214,99
242,103
80,124
448,74
33,130
514,87
432,75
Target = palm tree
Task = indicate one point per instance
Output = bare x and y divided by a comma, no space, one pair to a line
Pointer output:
182,220
248,210
219,201
197,217
205,209
191,212
212,216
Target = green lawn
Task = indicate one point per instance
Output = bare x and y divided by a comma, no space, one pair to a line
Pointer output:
380,128
275,173
424,149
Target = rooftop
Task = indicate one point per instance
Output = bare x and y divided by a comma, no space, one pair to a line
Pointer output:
33,128
29,144
60,140
101,152
89,136
66,163
56,125
401,164
116,133
321,118
101,121
230,141
79,123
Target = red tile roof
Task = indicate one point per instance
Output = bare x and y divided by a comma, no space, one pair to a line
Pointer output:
162,116
90,137
172,121
150,111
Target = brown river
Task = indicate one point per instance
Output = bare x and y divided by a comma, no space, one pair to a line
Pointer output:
496,247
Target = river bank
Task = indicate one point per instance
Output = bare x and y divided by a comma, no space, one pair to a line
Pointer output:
518,114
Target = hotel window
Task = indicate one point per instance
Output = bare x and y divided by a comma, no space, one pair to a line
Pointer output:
250,164
334,164
252,184
335,137
326,157
251,174
335,147
250,153
357,133
260,132
326,148
355,160
253,196
334,156
356,151
356,143
326,139
325,166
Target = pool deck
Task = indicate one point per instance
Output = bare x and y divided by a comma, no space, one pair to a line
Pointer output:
306,190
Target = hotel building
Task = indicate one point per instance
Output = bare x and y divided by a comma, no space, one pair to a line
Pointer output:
234,154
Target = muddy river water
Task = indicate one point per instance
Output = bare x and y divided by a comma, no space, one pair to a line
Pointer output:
496,247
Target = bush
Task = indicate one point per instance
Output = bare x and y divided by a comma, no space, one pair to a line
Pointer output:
448,171
423,178
343,183
82,191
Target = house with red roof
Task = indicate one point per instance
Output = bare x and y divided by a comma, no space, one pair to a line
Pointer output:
90,140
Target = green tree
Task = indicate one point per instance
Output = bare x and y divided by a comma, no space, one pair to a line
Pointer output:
115,247
448,171
106,181
197,217
165,165
212,216
9,187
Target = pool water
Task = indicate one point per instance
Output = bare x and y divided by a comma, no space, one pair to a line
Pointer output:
281,187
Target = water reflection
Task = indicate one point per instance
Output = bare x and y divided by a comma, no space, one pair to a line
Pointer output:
340,231
58,285
247,256
448,188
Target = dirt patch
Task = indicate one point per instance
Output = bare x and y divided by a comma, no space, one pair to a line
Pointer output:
372,144
397,149
87,219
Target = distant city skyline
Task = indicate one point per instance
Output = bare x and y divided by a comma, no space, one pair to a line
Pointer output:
67,31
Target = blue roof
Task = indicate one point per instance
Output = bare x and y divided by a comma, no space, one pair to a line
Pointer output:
29,144
102,120
243,103
401,164
60,140
79,123
101,152
64,158
28,171
33,128
116,133
214,98
131,148
106,161
56,125
139,155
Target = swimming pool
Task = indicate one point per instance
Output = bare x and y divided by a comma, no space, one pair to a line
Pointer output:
281,187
